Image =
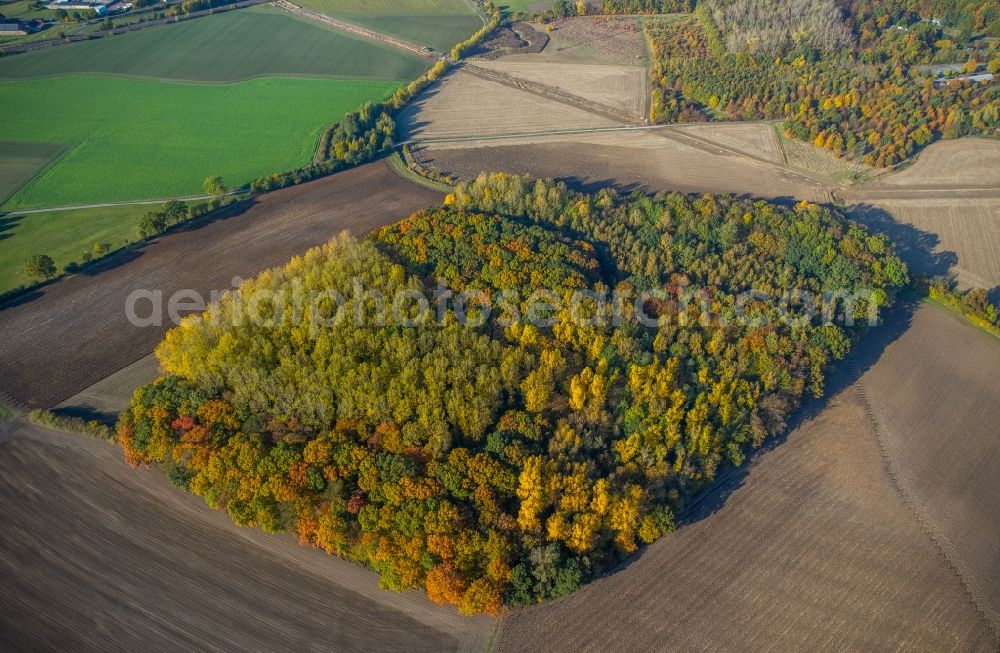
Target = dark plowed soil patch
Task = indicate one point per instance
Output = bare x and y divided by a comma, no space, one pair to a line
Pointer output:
935,391
98,556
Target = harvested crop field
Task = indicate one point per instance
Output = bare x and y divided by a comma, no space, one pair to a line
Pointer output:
936,394
108,397
962,163
627,159
942,236
96,552
465,105
619,87
755,138
809,547
43,367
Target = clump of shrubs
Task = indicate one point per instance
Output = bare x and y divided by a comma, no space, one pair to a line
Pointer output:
91,428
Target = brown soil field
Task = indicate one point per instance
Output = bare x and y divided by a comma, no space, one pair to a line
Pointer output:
936,396
98,556
72,333
466,105
630,159
809,547
619,87
942,236
108,397
962,163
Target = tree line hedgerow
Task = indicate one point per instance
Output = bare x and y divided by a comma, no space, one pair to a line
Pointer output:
503,464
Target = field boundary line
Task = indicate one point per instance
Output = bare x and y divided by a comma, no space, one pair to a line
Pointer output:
551,132
103,205
887,448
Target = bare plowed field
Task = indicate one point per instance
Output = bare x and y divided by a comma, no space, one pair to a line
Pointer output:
75,332
936,392
467,105
98,556
943,236
619,87
627,159
811,548
963,163
108,397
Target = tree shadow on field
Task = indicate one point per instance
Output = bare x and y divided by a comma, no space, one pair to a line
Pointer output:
915,246
7,224
591,186
729,479
408,124
88,413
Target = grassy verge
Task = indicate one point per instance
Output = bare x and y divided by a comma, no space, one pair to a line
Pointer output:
6,413
810,158
398,164
92,428
946,302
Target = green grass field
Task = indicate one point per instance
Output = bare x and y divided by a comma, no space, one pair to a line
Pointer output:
438,31
151,114
25,10
334,7
20,161
437,23
63,235
233,46
137,139
514,6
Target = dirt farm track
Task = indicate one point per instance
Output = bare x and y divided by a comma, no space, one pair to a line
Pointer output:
74,333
